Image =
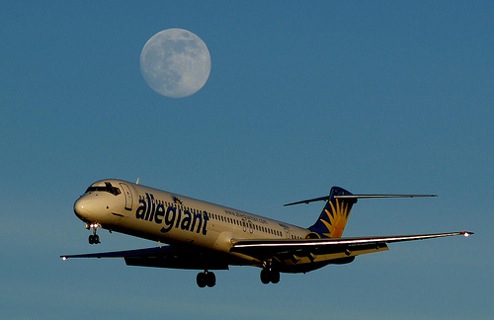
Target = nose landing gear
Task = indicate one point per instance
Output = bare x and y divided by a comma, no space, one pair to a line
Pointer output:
93,238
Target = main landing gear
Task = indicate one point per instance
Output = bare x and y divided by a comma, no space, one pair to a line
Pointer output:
94,238
270,275
206,278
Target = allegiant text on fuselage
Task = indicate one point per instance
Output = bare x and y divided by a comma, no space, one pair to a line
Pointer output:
171,215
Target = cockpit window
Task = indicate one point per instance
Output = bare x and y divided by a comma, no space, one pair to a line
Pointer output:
106,188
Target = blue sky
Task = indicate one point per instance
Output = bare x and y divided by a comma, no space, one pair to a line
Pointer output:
394,96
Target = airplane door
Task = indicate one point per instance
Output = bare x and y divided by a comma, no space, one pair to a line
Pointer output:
128,196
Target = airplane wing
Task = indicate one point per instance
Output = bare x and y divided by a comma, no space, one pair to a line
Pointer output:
294,255
340,250
164,257
122,254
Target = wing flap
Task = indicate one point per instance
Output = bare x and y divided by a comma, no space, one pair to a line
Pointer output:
338,254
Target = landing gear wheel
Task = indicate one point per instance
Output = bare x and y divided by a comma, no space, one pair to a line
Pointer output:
210,279
275,276
268,276
201,279
265,276
206,279
94,239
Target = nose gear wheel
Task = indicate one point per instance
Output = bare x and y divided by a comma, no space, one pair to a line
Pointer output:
94,239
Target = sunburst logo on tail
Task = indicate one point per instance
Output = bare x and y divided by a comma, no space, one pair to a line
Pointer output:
337,218
334,216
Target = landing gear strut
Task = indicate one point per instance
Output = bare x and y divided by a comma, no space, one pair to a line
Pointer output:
94,238
206,278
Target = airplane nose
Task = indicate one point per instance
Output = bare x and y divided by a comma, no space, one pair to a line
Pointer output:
82,208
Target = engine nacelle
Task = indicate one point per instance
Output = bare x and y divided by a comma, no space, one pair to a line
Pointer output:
313,235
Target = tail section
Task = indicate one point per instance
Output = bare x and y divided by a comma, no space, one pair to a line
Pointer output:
335,214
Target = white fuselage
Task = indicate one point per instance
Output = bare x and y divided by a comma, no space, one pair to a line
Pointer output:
174,219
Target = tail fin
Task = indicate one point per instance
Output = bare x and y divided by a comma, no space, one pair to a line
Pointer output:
335,214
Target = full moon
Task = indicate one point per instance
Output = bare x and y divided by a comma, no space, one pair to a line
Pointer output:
175,63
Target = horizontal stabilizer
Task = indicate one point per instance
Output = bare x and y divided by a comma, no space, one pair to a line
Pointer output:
363,196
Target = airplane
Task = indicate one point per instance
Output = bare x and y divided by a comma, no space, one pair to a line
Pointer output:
205,236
